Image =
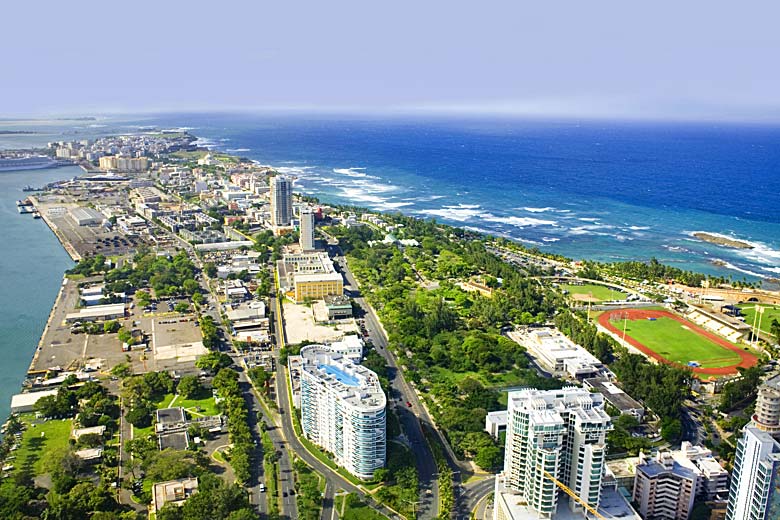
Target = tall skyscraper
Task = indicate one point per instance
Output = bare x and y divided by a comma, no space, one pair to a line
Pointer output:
281,201
755,481
555,433
306,231
343,410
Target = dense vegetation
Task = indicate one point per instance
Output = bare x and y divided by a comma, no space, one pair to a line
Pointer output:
448,339
168,276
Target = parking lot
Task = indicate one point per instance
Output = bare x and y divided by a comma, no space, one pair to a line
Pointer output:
299,325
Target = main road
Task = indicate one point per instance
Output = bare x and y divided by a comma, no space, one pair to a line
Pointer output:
333,480
409,410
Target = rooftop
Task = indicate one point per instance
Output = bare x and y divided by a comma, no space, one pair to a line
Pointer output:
354,384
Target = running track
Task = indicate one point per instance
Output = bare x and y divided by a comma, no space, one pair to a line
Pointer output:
747,360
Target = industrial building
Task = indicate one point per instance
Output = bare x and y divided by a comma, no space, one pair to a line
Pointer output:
87,216
97,313
343,410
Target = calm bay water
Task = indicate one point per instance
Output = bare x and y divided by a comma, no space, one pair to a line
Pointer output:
32,263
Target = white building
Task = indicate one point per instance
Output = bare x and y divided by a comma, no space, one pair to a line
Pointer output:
343,410
767,414
668,483
351,347
558,354
281,201
306,232
558,434
755,480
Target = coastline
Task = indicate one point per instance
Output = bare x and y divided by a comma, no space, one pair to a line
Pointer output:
57,300
64,242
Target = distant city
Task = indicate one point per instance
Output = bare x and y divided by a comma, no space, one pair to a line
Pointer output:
227,345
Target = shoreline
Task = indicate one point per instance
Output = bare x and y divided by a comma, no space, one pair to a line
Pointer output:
67,246
39,348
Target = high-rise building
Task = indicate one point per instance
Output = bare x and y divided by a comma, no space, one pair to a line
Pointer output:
306,231
755,481
767,414
343,410
667,484
281,201
559,434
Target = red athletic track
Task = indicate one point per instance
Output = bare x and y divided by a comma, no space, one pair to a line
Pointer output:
747,359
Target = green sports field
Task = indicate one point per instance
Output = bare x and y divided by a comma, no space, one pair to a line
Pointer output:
599,292
672,340
771,312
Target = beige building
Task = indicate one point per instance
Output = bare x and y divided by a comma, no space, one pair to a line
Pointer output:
124,164
668,483
767,414
173,491
309,276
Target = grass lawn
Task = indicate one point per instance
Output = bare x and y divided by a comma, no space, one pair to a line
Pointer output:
31,455
354,509
771,312
676,343
600,292
206,403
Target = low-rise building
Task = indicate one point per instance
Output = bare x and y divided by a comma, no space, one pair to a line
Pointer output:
616,397
558,354
332,308
495,423
173,492
87,216
97,313
25,402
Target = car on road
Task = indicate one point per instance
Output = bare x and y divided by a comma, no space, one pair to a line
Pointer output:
409,404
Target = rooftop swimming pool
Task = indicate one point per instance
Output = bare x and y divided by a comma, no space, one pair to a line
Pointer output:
340,375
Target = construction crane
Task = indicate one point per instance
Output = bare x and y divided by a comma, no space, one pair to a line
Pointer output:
572,494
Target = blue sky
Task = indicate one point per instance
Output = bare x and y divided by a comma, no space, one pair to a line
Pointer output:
611,58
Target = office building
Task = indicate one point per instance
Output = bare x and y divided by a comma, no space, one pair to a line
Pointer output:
767,414
555,434
668,483
755,480
309,276
281,202
343,410
558,354
306,231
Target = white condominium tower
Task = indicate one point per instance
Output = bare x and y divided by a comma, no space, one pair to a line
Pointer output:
755,481
281,201
343,410
306,231
558,433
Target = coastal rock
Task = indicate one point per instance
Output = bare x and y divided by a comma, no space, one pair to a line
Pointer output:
722,241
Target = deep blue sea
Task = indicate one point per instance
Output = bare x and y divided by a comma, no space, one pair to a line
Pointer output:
588,189
596,190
